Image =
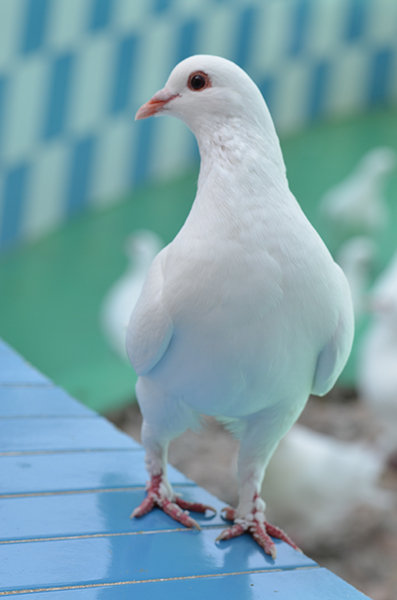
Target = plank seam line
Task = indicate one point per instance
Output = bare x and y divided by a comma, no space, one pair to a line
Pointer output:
66,451
27,384
88,536
160,580
45,416
139,486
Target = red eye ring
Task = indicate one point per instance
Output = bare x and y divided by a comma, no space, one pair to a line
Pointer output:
198,81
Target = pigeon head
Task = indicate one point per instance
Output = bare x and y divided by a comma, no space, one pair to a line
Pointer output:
203,90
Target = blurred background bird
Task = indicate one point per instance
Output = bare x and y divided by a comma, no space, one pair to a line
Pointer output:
377,376
357,257
141,247
357,204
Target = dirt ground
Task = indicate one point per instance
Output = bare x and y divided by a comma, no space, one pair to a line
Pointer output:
364,551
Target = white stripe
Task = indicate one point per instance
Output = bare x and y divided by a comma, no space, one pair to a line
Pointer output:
382,22
130,15
290,98
172,152
44,209
156,58
328,21
348,79
113,161
24,109
67,23
218,31
273,21
90,93
11,23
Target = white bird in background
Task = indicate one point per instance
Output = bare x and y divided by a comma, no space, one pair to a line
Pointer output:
356,257
357,204
141,247
377,374
244,313
314,483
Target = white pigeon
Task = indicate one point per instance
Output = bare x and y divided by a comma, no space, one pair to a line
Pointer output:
141,247
356,257
244,313
377,369
315,483
357,204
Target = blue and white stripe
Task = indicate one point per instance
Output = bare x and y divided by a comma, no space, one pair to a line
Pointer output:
72,74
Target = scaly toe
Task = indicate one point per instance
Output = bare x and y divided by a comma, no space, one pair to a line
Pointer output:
174,511
193,506
278,533
231,532
228,513
263,539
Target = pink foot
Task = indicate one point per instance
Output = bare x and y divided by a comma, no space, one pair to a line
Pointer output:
256,525
176,508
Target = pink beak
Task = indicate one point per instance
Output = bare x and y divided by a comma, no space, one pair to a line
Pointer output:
155,104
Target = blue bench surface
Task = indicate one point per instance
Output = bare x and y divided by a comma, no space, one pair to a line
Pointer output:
68,483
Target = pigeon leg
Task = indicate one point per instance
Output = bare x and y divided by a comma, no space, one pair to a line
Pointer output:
260,437
160,494
256,525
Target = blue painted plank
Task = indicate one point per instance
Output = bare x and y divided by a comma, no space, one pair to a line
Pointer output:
92,513
39,401
305,584
135,558
14,369
34,434
28,474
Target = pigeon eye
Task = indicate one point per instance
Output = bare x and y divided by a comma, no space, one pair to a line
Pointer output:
198,81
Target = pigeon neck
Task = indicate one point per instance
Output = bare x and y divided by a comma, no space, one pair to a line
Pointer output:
230,148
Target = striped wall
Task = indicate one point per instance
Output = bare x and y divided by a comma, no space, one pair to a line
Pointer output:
73,72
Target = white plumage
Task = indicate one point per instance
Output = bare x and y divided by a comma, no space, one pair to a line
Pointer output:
357,204
244,313
377,376
141,247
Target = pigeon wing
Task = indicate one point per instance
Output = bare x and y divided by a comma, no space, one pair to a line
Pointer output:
150,328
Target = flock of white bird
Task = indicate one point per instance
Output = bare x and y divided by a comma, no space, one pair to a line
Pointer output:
327,478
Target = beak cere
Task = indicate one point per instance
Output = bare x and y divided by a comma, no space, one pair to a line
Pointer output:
154,105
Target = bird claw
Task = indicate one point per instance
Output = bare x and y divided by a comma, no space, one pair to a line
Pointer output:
260,530
176,508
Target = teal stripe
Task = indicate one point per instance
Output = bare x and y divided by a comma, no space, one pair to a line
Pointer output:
79,175
381,76
34,26
188,40
140,169
14,195
3,104
124,76
101,14
319,89
244,36
357,19
58,96
300,26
